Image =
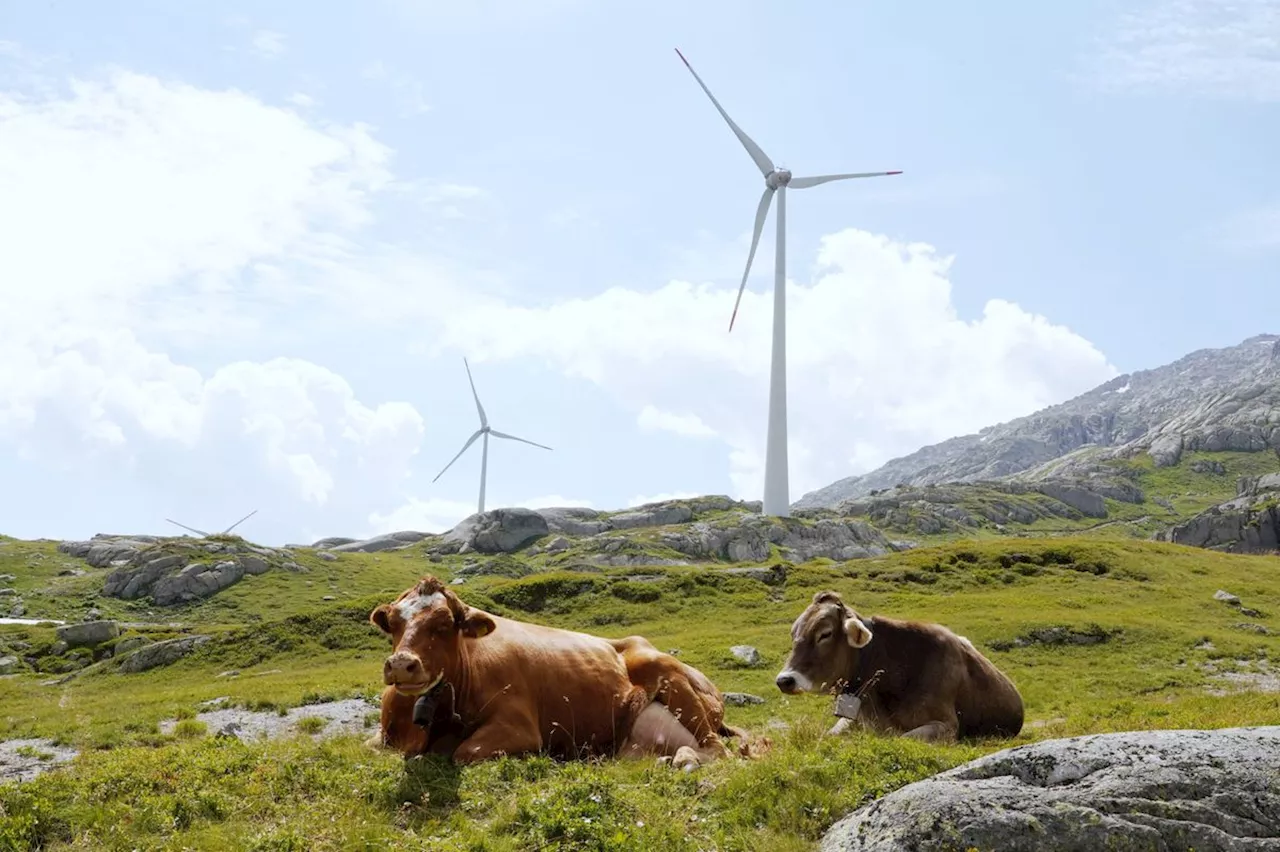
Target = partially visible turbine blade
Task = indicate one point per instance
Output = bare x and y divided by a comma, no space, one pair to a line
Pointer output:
806,182
498,434
469,442
239,522
762,161
761,211
192,529
484,421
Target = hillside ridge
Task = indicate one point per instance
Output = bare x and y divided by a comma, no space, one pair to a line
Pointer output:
1225,399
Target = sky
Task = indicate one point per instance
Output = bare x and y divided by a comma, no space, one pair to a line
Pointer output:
245,248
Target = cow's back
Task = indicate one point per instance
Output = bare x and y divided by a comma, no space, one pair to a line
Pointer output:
987,702
572,685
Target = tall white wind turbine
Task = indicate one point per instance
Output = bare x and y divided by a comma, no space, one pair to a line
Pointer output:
486,431
777,500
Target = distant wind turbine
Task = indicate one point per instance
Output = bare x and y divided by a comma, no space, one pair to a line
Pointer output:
777,500
224,532
486,431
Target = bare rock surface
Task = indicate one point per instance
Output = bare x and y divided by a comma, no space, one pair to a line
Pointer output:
162,653
1250,523
348,716
22,760
1208,790
175,570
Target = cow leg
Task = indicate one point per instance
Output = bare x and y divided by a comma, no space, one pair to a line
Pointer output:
396,731
496,738
657,732
934,732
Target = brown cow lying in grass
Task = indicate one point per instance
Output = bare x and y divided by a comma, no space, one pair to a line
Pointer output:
904,677
473,685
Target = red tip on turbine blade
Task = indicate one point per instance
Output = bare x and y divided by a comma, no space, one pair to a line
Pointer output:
894,173
681,55
732,318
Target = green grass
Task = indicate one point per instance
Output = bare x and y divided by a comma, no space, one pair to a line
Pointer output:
135,787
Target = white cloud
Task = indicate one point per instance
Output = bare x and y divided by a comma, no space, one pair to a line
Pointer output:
303,100
653,419
1200,47
140,215
435,515
268,44
878,361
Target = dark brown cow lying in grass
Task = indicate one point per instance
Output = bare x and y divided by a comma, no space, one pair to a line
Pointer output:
473,685
904,677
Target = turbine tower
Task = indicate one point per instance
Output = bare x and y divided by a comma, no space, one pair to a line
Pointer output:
486,431
777,500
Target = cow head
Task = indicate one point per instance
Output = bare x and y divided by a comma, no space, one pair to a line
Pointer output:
824,643
426,624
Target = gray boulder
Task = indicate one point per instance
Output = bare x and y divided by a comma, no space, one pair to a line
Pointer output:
494,531
8,665
1211,790
652,516
332,541
88,633
574,520
196,582
161,653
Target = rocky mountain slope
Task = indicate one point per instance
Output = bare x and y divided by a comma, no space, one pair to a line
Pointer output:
1214,400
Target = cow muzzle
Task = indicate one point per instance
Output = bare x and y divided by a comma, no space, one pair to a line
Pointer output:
791,682
404,671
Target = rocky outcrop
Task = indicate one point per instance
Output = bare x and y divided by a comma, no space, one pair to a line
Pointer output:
751,538
1210,400
88,633
175,570
161,653
1212,791
494,531
964,506
1248,524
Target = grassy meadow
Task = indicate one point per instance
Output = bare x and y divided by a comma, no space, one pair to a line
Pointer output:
1158,642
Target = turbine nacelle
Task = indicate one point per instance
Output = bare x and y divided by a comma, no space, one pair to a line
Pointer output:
777,178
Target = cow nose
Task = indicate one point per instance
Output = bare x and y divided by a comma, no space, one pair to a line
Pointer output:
402,667
786,682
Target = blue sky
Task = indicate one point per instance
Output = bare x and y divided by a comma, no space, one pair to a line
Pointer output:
253,242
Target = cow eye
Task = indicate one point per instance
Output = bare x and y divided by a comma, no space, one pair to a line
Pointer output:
824,636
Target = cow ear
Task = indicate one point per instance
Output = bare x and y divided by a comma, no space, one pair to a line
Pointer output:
856,631
477,624
379,618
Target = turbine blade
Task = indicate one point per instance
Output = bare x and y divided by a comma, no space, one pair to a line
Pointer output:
192,529
762,160
469,442
498,434
484,421
239,522
806,182
761,211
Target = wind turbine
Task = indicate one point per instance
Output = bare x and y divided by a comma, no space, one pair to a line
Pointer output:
777,500
204,534
486,431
